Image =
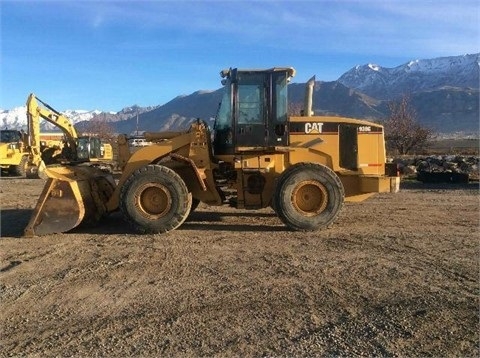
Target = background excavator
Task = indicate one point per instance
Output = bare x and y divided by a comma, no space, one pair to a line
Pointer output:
24,154
304,167
75,148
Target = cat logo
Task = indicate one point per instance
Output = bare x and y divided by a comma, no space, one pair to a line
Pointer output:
314,127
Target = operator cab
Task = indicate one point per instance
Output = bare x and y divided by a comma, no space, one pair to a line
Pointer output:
10,136
253,112
89,148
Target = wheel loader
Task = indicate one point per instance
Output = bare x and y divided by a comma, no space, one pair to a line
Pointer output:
13,151
303,167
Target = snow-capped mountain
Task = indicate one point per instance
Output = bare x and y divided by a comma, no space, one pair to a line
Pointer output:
444,91
417,75
17,118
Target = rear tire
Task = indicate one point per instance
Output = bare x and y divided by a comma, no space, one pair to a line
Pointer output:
308,197
155,200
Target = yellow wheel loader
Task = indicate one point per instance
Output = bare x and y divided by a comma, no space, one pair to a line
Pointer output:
304,167
13,152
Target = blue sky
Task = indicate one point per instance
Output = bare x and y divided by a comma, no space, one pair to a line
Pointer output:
112,54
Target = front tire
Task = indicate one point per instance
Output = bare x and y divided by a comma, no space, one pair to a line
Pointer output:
155,200
21,168
308,197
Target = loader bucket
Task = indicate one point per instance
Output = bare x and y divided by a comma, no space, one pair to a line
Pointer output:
71,195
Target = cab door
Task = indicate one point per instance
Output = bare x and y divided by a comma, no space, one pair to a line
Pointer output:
277,134
261,109
250,111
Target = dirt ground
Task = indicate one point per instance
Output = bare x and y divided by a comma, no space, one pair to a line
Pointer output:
396,275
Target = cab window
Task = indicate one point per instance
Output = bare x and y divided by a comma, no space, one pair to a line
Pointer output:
280,98
249,104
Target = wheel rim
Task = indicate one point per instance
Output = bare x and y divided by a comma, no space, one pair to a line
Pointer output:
153,200
310,198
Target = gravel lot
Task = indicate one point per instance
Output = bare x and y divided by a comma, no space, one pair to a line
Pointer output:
396,275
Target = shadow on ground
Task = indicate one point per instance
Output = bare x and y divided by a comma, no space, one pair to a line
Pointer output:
418,185
14,221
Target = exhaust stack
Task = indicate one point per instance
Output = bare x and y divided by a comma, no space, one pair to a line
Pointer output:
308,104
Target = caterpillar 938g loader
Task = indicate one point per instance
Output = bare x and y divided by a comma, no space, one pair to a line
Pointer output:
304,167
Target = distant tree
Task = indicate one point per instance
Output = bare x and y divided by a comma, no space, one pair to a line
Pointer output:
295,109
403,133
99,127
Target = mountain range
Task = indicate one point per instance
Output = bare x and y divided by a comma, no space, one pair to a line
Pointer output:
444,91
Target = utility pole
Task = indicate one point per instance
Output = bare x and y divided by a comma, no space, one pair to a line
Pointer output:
137,124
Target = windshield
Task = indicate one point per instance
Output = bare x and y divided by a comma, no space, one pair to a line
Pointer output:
83,147
9,136
224,115
223,135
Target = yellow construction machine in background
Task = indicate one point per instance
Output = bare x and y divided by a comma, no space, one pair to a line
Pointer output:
25,154
304,167
14,151
75,148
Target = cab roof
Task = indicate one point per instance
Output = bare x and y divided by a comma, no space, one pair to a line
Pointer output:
290,70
